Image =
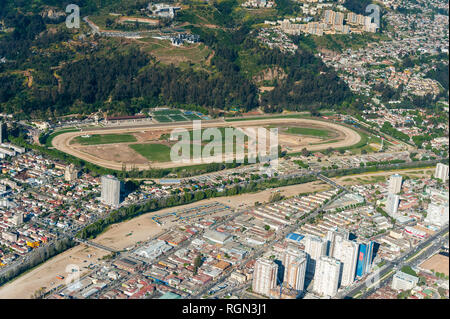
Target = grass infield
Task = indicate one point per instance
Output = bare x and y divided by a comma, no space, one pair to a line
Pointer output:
153,152
308,131
104,139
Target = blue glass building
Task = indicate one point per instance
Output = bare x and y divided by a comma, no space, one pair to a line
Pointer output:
365,258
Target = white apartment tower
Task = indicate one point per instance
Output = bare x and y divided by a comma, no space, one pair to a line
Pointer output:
395,184
346,251
331,238
327,276
295,262
334,18
264,276
315,247
70,173
392,204
110,190
18,219
291,253
441,172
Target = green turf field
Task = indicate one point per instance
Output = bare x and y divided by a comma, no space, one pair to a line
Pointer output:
308,131
153,152
167,112
162,118
104,139
178,118
161,153
192,116
222,131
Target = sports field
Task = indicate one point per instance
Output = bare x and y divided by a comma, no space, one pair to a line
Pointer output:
174,115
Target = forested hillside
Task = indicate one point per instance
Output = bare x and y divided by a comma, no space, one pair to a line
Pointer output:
51,70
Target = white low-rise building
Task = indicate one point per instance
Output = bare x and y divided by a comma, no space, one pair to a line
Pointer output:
403,281
437,214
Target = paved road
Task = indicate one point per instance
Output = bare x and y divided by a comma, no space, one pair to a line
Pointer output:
332,183
95,245
400,262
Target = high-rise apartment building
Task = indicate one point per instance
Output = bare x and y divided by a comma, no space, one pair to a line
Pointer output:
367,20
110,190
339,18
395,184
315,247
346,251
352,18
291,252
331,238
17,219
327,276
392,203
333,18
441,172
295,262
70,173
264,276
360,19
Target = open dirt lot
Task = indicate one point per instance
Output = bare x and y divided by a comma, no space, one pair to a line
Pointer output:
296,143
438,263
373,177
61,142
141,20
114,152
45,275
